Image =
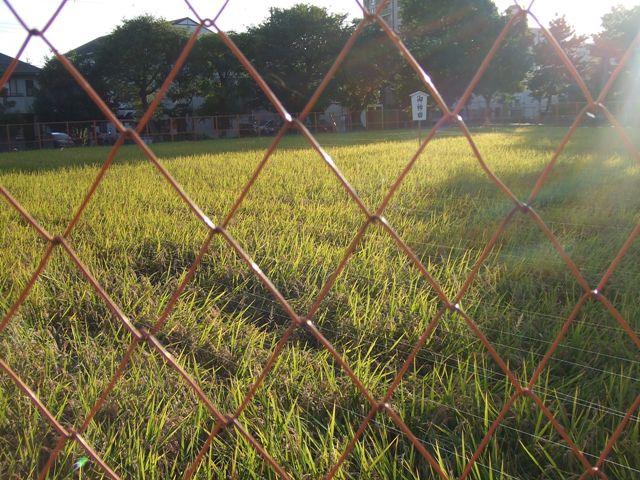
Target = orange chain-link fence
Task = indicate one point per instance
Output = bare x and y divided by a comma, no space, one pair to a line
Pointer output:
377,406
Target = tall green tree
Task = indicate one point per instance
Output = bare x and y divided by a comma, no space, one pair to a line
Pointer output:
509,67
294,48
449,38
550,76
619,27
60,98
220,78
371,69
137,56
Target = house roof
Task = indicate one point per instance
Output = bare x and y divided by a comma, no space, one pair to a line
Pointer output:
22,68
184,20
188,22
90,47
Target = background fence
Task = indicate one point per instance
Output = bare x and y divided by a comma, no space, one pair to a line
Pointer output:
376,405
28,136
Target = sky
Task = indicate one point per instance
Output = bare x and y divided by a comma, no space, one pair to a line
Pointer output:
83,20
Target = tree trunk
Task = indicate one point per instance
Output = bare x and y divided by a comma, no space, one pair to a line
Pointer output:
487,108
144,102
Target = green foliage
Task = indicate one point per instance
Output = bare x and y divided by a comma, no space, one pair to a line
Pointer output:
60,98
138,55
374,66
510,65
550,76
449,38
294,48
619,27
125,67
220,78
139,239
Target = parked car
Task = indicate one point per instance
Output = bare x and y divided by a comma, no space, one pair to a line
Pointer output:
246,129
320,125
61,139
325,126
269,127
106,137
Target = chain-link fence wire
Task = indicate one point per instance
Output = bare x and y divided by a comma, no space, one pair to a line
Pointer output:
592,466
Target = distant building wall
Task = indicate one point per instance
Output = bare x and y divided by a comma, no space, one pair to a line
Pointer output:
18,94
390,13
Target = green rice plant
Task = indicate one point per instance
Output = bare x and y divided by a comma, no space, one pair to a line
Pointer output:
139,239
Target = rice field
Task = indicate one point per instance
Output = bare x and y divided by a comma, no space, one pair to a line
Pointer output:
138,239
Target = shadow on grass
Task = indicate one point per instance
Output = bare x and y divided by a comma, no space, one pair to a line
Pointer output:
53,159
537,138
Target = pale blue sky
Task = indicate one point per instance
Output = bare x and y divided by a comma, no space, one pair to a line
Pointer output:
83,20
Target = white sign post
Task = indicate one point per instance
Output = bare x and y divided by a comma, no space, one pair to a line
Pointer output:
419,109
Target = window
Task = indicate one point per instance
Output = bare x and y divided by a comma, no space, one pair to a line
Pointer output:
30,90
13,88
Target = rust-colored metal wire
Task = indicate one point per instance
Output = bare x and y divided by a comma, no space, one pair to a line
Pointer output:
382,406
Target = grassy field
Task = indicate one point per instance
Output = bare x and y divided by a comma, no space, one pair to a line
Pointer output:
138,239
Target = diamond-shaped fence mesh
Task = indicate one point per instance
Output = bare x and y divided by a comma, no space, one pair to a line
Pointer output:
379,406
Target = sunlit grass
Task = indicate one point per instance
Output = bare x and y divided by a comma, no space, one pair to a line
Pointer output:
138,239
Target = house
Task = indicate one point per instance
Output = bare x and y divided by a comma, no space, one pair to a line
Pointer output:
390,13
18,94
189,25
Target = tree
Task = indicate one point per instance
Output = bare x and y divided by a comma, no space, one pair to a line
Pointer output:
220,78
294,48
619,28
550,76
60,98
371,68
449,38
137,57
510,66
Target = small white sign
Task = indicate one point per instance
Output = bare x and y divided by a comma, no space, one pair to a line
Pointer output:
419,105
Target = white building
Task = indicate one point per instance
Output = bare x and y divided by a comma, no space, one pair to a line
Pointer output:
189,25
390,13
18,94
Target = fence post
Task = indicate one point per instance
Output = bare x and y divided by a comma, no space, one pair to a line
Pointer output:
39,134
95,133
8,137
